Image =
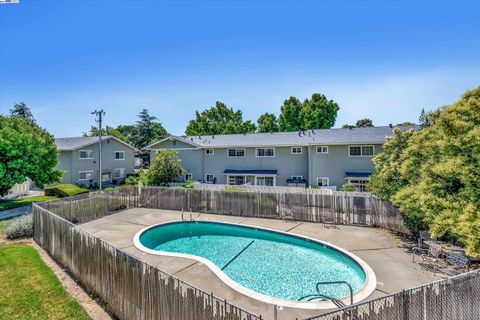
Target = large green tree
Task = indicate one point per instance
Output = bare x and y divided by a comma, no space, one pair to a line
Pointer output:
219,119
318,112
267,122
315,113
22,110
440,172
26,151
166,167
148,129
289,119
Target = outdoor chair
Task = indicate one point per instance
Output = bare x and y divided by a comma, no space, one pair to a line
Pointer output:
430,260
459,262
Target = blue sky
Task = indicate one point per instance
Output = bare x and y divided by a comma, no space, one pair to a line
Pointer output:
381,60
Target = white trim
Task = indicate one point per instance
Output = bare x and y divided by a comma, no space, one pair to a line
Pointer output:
328,181
209,154
301,150
265,148
172,149
321,148
363,293
361,152
266,176
228,153
84,150
209,174
80,172
119,151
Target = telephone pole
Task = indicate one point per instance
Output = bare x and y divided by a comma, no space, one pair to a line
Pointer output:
98,118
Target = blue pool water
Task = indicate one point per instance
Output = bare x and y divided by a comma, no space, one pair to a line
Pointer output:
274,264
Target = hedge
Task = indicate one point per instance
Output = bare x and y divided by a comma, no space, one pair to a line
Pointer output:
64,190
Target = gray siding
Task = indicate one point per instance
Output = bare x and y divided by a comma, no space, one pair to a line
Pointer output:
71,161
309,164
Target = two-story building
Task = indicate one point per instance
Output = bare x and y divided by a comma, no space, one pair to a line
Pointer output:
79,159
324,158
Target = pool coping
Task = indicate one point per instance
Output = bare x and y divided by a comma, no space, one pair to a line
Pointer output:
365,292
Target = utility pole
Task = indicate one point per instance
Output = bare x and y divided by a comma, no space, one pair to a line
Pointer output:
98,118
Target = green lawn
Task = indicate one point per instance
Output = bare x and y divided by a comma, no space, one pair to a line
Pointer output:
15,203
29,289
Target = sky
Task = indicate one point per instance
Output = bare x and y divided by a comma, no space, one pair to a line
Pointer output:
383,60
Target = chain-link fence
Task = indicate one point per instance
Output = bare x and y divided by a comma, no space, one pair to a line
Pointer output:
455,298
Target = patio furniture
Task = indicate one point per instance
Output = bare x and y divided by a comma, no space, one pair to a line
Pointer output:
459,262
431,258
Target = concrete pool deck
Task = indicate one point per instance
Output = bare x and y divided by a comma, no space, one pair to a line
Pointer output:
386,254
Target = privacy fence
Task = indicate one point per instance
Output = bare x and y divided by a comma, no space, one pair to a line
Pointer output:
455,298
131,288
335,208
134,289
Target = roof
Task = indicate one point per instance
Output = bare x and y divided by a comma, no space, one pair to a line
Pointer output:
232,171
336,136
358,174
74,143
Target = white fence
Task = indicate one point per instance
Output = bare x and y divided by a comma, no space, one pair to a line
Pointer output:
265,189
18,190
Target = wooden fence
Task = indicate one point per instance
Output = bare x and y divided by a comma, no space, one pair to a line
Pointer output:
131,288
453,298
336,208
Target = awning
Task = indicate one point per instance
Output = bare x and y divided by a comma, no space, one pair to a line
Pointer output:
358,174
250,172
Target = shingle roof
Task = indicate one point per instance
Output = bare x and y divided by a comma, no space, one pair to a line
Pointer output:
372,135
74,143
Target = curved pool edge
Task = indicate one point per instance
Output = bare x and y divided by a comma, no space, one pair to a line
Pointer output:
366,291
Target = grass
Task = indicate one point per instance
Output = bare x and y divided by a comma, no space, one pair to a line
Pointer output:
64,190
29,289
20,202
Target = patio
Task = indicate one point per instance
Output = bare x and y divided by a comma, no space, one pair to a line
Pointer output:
385,253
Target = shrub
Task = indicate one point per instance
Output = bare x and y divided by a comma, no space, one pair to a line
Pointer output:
20,227
189,184
348,187
131,180
64,190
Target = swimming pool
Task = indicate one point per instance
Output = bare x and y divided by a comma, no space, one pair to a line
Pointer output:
268,265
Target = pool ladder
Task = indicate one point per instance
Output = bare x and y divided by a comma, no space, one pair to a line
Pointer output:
322,296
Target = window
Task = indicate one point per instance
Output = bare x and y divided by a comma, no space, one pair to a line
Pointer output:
322,181
86,175
265,152
297,178
119,173
209,177
236,180
265,181
296,150
360,184
209,152
188,176
86,154
236,153
322,149
119,155
360,151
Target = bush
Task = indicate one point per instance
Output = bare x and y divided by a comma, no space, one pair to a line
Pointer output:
20,227
348,187
64,190
189,184
131,180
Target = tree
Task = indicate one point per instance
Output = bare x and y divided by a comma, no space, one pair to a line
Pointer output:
94,132
26,152
364,123
129,131
318,113
267,122
219,119
21,110
439,174
289,119
148,130
423,118
166,167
